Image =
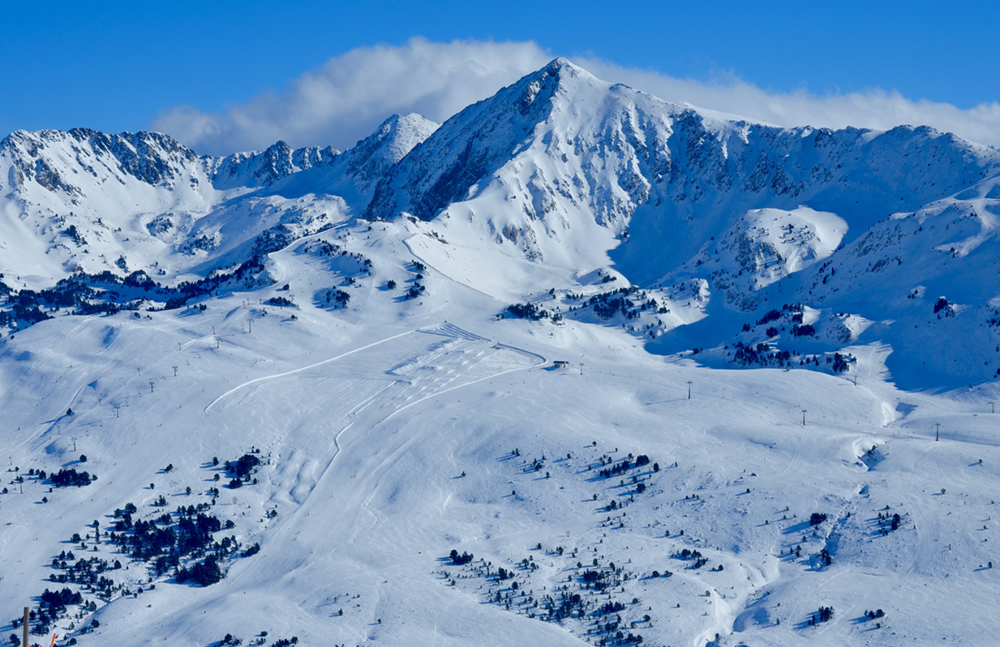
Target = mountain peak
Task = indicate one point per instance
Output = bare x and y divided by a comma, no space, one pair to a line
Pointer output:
402,132
278,161
563,65
559,72
372,157
52,158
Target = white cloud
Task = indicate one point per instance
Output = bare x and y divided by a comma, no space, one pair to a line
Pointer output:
876,109
351,94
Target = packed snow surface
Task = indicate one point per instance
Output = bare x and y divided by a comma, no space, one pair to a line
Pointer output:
367,422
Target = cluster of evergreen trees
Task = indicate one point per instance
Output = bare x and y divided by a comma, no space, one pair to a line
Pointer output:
149,539
68,477
824,614
52,606
760,355
166,543
108,293
204,573
415,290
88,571
769,316
336,297
597,579
566,601
459,560
942,304
183,542
888,522
841,362
331,250
527,311
805,330
687,554
241,470
607,304
624,466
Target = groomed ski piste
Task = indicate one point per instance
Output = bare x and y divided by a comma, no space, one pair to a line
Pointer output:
393,431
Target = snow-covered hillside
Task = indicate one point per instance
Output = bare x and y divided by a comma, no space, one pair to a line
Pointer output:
577,366
392,431
574,175
85,201
561,166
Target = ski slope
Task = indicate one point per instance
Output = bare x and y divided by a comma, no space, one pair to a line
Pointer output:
388,427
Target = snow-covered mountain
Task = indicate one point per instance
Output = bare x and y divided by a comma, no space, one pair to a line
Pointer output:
570,172
561,162
251,170
355,174
483,382
555,180
83,200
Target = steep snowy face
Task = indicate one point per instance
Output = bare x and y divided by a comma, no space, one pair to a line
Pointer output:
371,158
279,161
82,169
551,167
471,146
354,174
923,285
564,167
550,183
721,170
85,200
80,198
51,160
765,246
930,277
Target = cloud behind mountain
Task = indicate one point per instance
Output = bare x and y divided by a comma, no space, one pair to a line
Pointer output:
346,98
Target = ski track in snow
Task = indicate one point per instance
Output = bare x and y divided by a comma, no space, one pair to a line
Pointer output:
302,369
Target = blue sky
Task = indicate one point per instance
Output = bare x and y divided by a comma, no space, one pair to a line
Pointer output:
132,65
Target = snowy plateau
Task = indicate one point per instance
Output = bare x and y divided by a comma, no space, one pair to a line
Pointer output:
273,398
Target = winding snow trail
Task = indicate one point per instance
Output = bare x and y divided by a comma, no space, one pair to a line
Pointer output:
266,378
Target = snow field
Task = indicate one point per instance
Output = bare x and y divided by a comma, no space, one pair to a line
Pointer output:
369,426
